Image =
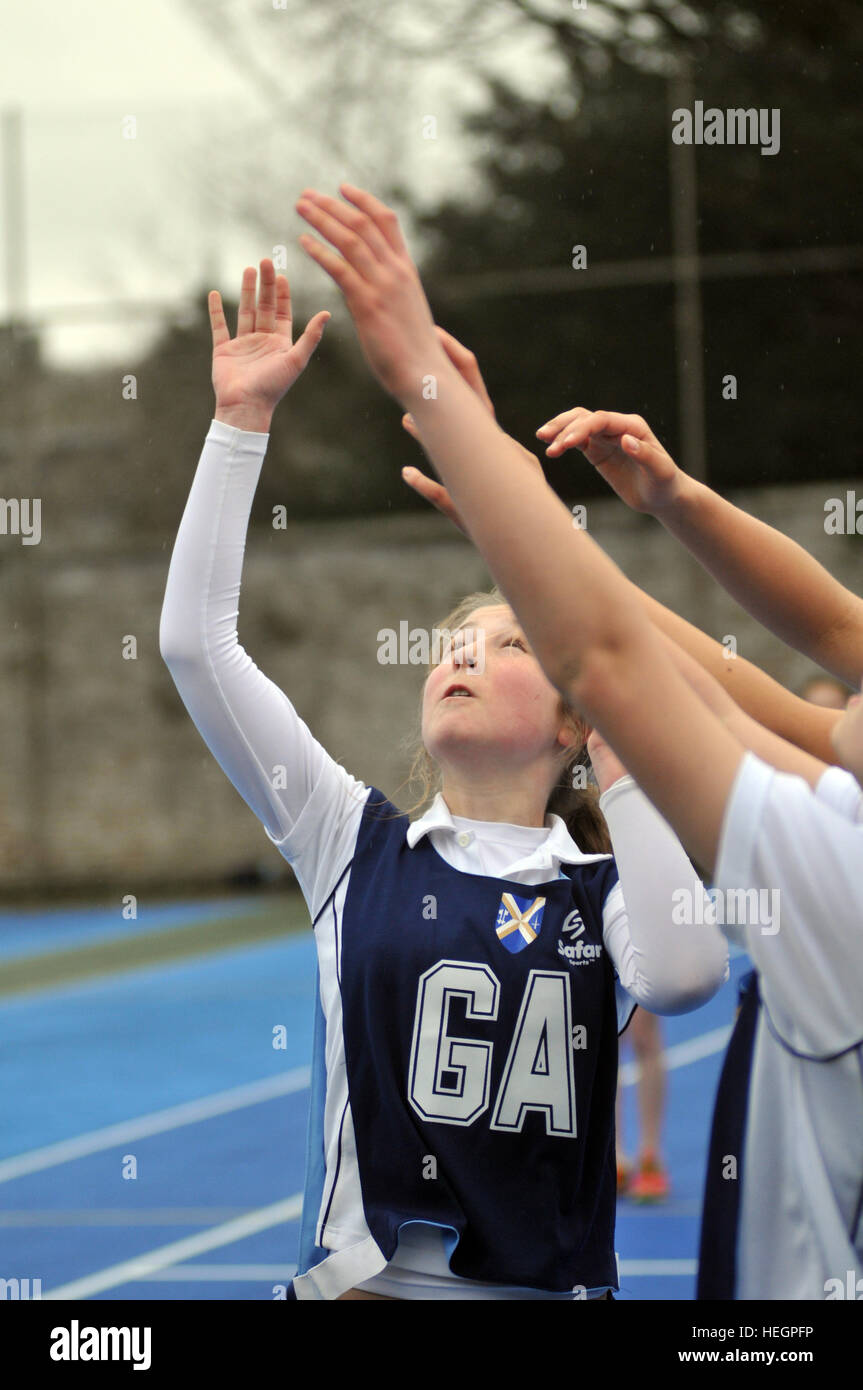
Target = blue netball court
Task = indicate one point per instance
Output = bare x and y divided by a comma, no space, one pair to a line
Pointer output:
154,1114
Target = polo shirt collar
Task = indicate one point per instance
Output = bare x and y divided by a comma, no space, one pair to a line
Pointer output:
558,847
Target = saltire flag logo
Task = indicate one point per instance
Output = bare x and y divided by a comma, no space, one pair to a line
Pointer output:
519,921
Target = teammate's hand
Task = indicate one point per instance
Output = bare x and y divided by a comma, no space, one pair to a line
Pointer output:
468,368
607,767
380,284
624,451
253,371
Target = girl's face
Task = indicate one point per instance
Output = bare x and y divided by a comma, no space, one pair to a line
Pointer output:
506,706
847,737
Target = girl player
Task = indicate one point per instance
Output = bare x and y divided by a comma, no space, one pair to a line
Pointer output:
783,1209
474,966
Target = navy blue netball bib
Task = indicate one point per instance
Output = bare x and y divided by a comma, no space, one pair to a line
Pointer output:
480,1034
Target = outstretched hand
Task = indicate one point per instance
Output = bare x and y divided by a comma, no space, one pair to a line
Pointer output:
252,371
468,368
624,451
380,283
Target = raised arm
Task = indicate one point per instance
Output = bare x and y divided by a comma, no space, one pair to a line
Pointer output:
773,577
787,715
757,695
247,722
587,629
785,756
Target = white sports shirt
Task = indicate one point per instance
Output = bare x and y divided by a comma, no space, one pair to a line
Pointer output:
799,1233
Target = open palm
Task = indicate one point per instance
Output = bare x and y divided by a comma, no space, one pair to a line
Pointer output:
262,362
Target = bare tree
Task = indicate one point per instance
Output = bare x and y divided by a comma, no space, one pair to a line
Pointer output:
334,78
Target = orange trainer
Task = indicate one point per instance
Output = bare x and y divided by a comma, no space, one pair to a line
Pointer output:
650,1183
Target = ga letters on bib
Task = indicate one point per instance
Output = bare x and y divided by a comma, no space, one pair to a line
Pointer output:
480,1037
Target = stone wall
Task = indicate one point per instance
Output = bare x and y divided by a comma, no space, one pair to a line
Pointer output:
106,784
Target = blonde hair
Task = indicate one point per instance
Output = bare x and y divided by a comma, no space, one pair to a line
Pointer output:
578,807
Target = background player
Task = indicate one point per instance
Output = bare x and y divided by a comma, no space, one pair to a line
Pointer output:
647,1179
823,691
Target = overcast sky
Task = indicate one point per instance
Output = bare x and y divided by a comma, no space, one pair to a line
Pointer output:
91,197
109,218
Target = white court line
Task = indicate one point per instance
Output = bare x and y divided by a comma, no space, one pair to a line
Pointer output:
682,1054
120,1216
635,1269
129,1271
157,1122
223,1102
678,1056
222,1274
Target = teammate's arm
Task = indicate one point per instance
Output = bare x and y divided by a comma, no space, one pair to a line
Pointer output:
779,752
591,637
773,577
788,716
589,633
764,700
